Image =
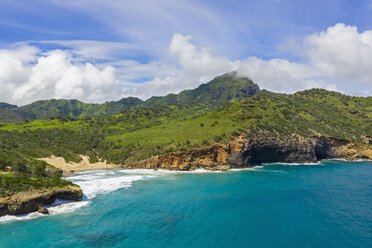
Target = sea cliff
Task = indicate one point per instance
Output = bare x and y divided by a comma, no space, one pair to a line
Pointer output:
256,149
34,200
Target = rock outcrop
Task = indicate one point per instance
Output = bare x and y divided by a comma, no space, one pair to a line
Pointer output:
257,149
261,149
32,201
43,210
211,157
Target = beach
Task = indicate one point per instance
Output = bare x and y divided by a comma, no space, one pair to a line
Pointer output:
84,165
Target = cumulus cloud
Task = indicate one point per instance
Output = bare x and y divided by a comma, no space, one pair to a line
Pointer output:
27,75
193,60
336,59
342,52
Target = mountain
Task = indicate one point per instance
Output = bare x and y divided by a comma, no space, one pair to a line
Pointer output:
217,92
222,89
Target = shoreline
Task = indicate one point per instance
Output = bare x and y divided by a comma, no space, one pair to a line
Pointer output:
206,170
72,168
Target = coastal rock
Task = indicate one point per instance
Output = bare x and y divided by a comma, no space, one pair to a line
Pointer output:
27,202
264,149
210,157
43,210
257,149
224,167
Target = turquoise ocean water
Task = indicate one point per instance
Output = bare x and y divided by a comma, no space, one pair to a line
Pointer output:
324,205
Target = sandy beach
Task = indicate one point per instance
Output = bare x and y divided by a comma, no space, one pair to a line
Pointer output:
83,165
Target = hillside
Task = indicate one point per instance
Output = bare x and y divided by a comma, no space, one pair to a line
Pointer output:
228,87
144,132
8,113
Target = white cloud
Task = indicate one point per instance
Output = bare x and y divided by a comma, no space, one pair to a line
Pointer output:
193,60
26,76
337,59
197,65
342,52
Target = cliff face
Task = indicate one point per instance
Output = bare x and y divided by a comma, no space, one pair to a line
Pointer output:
212,158
27,202
245,152
262,149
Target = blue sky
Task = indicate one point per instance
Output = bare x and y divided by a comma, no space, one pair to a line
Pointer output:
105,50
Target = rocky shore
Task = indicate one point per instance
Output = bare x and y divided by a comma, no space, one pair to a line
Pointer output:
246,152
242,152
32,201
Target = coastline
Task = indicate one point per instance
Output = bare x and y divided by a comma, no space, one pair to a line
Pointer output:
242,153
132,174
71,168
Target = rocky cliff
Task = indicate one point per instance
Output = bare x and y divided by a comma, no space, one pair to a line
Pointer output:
32,201
212,158
257,149
263,149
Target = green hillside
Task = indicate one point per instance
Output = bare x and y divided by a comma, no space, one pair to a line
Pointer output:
228,87
307,113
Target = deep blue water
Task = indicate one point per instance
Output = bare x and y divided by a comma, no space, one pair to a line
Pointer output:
325,205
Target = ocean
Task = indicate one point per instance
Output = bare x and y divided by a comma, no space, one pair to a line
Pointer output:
328,204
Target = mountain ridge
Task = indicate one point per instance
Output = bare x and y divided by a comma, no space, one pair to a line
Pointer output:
216,92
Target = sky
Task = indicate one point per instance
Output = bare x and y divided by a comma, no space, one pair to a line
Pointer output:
103,50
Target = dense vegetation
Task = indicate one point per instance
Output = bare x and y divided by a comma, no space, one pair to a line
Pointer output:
141,132
20,172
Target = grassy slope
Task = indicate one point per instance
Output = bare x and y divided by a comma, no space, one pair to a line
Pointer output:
305,113
176,135
140,133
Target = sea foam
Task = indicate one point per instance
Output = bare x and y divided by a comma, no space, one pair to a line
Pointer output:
93,183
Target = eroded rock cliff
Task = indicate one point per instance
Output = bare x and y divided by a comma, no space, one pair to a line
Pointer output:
256,149
31,201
